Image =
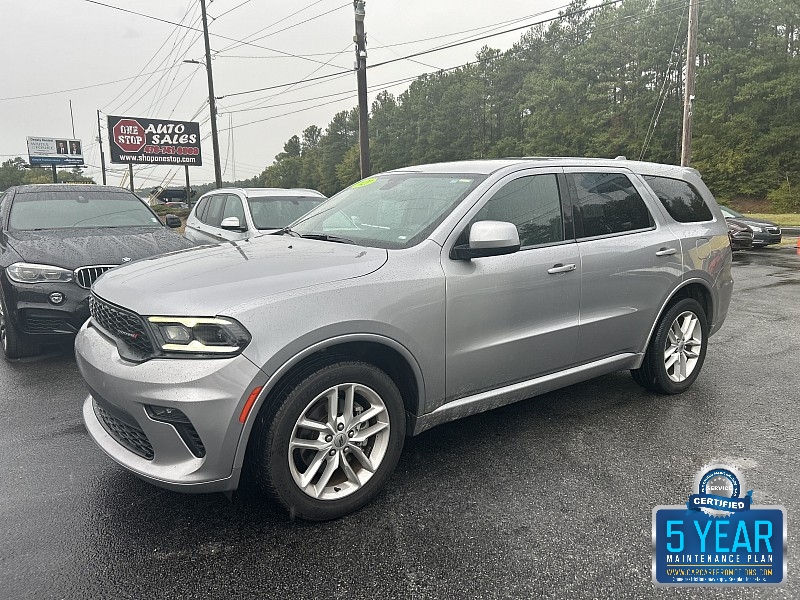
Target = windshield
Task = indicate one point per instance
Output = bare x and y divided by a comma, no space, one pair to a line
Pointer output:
276,212
395,210
67,209
729,212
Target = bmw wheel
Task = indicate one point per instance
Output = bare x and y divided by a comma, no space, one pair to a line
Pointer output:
10,342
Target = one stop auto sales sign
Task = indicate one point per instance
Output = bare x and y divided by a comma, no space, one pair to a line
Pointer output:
138,140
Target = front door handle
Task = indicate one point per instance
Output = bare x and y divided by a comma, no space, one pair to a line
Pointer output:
559,268
666,252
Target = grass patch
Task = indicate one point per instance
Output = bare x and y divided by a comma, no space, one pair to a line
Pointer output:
782,219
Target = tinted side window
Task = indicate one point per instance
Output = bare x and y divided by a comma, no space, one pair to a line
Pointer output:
202,205
234,208
213,214
609,203
682,201
533,204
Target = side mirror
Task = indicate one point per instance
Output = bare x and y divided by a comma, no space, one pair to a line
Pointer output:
172,221
489,238
232,224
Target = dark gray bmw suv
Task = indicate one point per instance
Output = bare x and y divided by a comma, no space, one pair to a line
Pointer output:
55,241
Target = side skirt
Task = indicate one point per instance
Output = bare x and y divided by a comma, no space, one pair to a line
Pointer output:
477,403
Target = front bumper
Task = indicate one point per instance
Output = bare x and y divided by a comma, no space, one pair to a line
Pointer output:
37,318
765,238
211,393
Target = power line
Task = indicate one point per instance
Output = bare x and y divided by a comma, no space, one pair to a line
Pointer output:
431,50
152,58
249,37
77,89
428,39
230,10
398,82
306,78
286,28
491,35
230,39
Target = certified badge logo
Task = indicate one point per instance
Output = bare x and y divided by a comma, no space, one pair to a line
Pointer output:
716,491
719,537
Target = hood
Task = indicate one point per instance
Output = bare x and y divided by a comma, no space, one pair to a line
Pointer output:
756,222
735,225
73,248
750,221
205,280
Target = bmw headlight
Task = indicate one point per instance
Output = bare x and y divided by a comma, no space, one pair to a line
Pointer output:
33,273
214,336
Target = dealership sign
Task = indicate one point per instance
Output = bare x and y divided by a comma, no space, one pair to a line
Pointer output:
136,140
54,151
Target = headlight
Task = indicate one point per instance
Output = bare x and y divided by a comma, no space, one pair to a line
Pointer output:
32,273
217,336
755,228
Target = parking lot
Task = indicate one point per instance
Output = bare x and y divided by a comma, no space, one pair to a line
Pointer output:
551,497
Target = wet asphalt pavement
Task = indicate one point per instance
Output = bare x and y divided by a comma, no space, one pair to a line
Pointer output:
551,497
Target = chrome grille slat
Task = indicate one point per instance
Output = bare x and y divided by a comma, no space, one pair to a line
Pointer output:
86,276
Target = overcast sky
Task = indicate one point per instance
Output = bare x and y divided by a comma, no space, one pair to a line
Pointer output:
50,47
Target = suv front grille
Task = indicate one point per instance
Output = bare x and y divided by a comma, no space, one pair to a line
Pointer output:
126,434
121,324
86,276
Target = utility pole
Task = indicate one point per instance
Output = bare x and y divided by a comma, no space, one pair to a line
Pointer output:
361,73
688,93
212,103
100,142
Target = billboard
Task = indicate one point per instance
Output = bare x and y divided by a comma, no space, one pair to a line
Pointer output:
136,140
54,151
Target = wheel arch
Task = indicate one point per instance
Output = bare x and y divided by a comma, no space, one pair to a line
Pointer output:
383,352
697,289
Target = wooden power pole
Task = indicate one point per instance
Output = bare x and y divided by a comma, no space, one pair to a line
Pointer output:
688,94
361,74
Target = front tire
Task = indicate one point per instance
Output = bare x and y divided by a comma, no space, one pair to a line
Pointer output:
677,350
331,439
12,345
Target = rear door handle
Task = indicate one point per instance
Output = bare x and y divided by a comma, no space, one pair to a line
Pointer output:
666,252
559,268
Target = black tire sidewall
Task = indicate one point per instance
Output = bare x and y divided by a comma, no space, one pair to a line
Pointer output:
281,426
15,347
656,352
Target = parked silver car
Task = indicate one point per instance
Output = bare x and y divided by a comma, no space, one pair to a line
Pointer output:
412,298
233,214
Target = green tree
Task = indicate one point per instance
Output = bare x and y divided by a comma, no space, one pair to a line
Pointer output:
12,172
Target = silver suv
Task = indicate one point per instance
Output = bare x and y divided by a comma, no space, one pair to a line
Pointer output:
410,299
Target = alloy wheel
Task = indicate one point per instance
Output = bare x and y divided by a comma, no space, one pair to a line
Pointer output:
684,343
339,441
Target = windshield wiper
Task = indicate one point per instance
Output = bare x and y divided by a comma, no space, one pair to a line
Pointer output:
286,230
325,237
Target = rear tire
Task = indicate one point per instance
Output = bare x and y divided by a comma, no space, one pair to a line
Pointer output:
11,343
677,350
320,465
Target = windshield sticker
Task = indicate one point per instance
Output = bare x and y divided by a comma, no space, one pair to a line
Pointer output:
364,182
461,181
